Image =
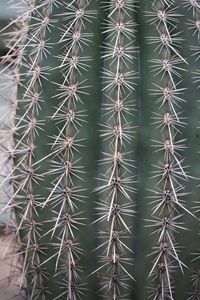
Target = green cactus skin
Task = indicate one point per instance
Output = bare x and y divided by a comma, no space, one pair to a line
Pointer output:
105,95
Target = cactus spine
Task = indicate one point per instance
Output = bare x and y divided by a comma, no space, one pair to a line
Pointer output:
66,195
115,184
170,175
29,35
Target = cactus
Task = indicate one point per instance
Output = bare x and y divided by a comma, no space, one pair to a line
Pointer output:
101,156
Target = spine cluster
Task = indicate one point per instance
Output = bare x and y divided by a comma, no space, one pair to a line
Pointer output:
115,184
66,194
168,203
28,36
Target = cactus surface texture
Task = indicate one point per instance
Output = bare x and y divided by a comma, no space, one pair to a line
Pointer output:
101,149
